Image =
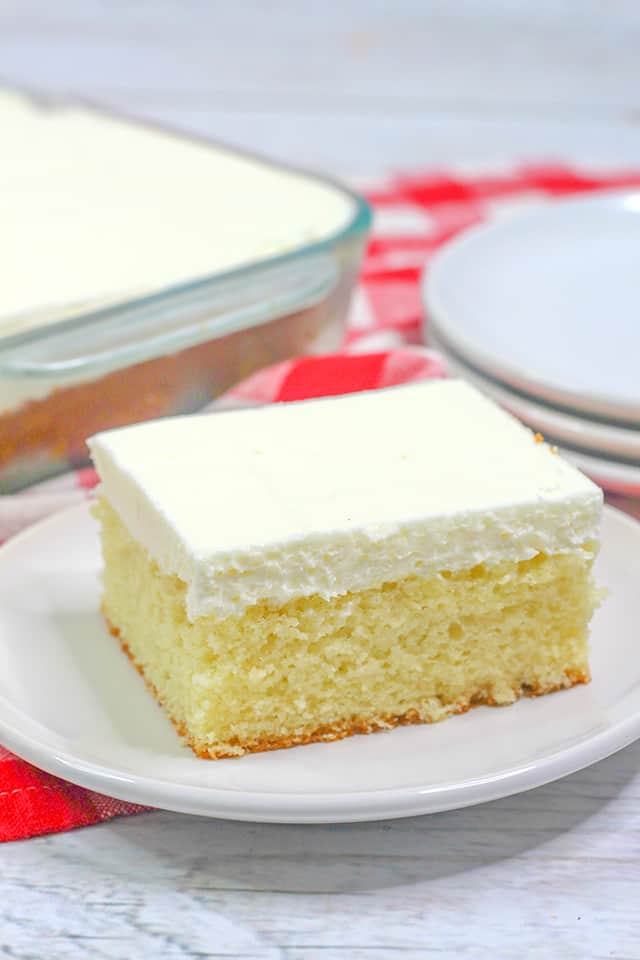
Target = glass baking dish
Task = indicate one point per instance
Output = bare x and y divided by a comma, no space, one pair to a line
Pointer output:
170,351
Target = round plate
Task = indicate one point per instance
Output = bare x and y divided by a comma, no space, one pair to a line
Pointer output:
547,301
595,439
71,703
620,478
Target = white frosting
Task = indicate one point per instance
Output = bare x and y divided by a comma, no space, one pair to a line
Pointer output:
339,494
95,210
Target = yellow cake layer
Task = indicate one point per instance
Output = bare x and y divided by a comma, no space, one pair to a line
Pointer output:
416,650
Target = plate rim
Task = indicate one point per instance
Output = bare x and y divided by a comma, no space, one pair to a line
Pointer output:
530,408
262,807
619,412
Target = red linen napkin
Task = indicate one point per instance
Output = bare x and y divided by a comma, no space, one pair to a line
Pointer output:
414,215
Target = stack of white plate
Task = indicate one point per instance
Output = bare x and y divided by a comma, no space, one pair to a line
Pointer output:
541,311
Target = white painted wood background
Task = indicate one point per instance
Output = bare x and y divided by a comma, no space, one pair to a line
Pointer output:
351,84
357,87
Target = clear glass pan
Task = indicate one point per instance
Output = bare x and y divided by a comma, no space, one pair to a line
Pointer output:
168,352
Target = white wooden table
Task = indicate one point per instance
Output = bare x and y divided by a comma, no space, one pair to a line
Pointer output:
360,87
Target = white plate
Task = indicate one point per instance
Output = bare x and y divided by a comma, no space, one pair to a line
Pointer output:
71,703
548,302
620,478
595,438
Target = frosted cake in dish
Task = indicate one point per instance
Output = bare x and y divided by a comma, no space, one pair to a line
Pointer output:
122,211
307,571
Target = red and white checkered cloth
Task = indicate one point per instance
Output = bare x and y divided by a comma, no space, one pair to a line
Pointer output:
414,215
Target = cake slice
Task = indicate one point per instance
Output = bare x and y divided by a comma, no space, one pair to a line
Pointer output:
306,571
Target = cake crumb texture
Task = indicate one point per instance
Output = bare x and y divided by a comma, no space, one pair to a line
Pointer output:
412,651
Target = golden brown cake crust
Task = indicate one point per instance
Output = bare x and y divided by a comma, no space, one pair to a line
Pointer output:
343,728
